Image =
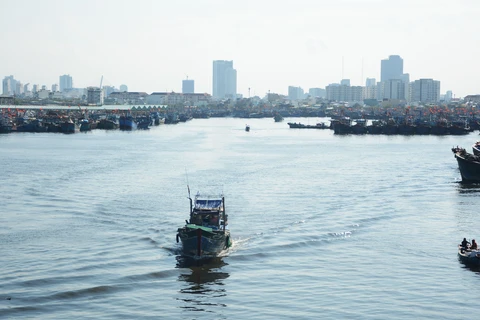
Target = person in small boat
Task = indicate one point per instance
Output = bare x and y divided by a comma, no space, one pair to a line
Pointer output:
465,243
474,245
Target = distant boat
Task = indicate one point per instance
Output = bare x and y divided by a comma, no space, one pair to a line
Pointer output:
321,125
278,117
127,123
247,128
206,233
468,164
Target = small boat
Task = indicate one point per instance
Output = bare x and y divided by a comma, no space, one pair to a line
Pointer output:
320,125
469,256
205,234
278,117
247,128
469,165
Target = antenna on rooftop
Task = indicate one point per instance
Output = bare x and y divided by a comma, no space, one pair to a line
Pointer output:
342,66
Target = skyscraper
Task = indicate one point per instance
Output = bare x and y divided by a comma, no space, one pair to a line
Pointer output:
9,85
65,82
224,80
188,86
391,68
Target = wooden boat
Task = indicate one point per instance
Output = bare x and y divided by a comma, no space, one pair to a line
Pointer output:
469,256
205,234
469,165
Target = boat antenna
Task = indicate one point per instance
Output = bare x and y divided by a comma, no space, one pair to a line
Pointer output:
188,187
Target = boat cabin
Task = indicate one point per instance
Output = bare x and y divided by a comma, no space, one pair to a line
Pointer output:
208,212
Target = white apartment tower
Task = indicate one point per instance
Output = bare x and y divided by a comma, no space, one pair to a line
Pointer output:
224,80
65,82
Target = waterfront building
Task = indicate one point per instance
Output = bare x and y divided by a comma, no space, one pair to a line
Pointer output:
65,82
125,97
123,88
107,90
188,86
174,98
391,68
295,93
43,94
317,92
224,80
344,93
426,91
54,87
95,96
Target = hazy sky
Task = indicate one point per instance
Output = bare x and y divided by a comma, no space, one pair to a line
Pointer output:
153,45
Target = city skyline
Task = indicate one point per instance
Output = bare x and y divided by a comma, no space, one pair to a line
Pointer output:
308,44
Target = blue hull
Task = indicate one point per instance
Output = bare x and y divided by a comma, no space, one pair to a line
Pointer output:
201,243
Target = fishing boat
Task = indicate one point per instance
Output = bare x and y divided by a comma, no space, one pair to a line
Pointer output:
469,165
320,125
278,117
127,122
247,128
469,256
205,234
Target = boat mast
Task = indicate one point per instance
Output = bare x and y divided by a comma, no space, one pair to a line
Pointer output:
224,216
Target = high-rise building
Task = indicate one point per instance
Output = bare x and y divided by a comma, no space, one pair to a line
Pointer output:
345,82
426,90
188,86
391,68
224,80
295,93
9,85
123,88
54,87
65,82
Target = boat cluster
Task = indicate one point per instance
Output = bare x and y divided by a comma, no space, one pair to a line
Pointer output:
393,127
71,122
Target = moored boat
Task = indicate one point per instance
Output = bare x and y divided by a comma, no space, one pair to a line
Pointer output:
206,233
127,122
468,164
320,125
